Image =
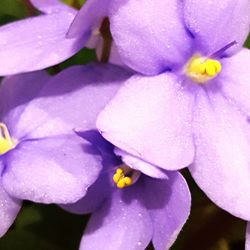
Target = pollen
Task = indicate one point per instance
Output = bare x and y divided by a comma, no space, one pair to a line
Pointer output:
201,69
125,176
6,142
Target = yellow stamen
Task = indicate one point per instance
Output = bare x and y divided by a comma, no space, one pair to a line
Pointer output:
201,69
121,179
6,143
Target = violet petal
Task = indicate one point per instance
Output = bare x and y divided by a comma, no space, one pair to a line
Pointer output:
214,24
121,223
221,166
148,115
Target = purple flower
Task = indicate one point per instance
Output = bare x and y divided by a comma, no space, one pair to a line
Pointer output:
194,109
41,157
96,27
39,42
130,208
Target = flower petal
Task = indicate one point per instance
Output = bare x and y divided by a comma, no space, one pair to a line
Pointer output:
94,197
18,90
9,209
51,6
221,166
105,148
157,37
169,202
52,170
247,246
234,80
142,166
102,188
43,40
84,23
121,223
64,102
150,118
114,56
215,24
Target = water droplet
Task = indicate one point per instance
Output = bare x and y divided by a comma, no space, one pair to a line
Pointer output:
139,243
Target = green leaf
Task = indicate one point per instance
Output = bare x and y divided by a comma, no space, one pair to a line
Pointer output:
13,8
75,3
247,43
84,56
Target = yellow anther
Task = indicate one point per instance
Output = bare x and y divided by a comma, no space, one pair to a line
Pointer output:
210,69
118,175
119,171
6,143
125,176
124,182
201,69
217,66
116,178
120,184
127,181
5,146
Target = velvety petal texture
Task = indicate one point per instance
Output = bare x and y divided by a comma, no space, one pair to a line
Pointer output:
95,196
9,208
215,24
129,218
169,203
18,90
70,100
221,166
157,37
36,43
51,6
51,170
121,223
103,186
151,209
50,163
142,166
84,22
150,118
234,80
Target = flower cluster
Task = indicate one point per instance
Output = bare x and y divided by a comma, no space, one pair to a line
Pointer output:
171,91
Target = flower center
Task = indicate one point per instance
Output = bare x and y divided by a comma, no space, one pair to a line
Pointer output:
125,176
201,69
6,142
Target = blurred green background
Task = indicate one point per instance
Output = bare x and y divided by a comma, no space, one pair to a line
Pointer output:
47,227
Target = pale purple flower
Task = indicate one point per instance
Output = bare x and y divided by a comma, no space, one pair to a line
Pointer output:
193,109
42,41
38,42
89,21
130,217
41,157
